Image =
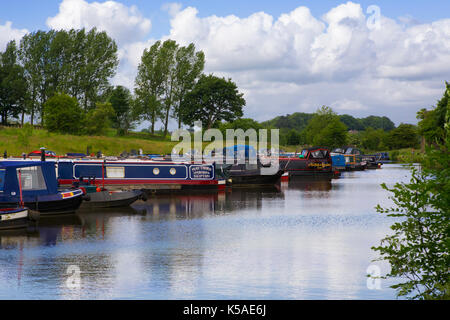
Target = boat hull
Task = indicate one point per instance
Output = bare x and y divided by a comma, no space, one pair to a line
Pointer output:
14,219
255,179
107,199
50,207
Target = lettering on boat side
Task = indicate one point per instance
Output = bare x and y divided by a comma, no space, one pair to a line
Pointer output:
231,309
201,172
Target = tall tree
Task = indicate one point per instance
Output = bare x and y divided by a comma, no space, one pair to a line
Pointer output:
149,85
33,48
212,100
13,88
121,101
189,66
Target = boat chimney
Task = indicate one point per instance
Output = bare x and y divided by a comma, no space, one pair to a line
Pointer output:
5,154
24,155
42,153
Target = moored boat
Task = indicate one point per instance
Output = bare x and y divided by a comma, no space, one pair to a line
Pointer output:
313,162
16,218
36,182
148,175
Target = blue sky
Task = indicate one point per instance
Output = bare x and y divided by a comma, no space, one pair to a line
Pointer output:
286,56
32,14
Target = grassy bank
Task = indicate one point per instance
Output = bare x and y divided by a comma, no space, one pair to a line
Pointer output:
15,141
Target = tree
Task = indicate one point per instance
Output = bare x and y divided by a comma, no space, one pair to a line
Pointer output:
13,86
373,140
333,135
419,249
293,138
63,114
97,120
189,66
325,129
121,101
404,136
242,123
431,125
149,85
211,100
76,62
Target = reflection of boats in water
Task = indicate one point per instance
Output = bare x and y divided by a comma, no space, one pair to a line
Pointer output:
310,184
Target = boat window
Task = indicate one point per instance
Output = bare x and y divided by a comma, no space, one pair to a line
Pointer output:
348,159
304,153
2,179
317,154
115,172
31,178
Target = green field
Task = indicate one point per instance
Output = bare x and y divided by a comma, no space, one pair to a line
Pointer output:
15,142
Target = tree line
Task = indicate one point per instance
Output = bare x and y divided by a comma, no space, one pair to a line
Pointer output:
61,78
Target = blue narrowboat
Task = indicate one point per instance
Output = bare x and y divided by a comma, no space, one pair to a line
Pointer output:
37,182
140,174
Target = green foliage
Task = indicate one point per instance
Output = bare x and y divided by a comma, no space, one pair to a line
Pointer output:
77,62
293,138
63,114
97,121
371,139
13,86
299,121
123,115
166,73
419,248
212,100
325,129
431,124
404,136
243,123
24,135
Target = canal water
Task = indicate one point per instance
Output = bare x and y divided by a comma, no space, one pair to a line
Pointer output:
302,240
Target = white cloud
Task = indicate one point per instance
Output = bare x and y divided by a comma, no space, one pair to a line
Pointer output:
297,62
294,62
122,23
8,33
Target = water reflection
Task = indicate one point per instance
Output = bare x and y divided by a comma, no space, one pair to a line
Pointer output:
304,239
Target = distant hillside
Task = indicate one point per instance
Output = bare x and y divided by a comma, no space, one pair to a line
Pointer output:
299,121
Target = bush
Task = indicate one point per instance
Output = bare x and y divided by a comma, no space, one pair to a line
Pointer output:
63,114
98,121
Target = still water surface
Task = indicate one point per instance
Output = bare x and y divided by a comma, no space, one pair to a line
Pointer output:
304,240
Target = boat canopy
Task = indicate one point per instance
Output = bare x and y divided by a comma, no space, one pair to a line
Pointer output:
37,178
240,151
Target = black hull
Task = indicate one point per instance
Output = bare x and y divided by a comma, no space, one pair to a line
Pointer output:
54,207
109,201
256,179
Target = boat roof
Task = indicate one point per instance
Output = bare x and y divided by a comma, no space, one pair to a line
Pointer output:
22,163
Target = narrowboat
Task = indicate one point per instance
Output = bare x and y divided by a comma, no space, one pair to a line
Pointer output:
371,162
353,158
313,162
35,182
242,171
148,175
